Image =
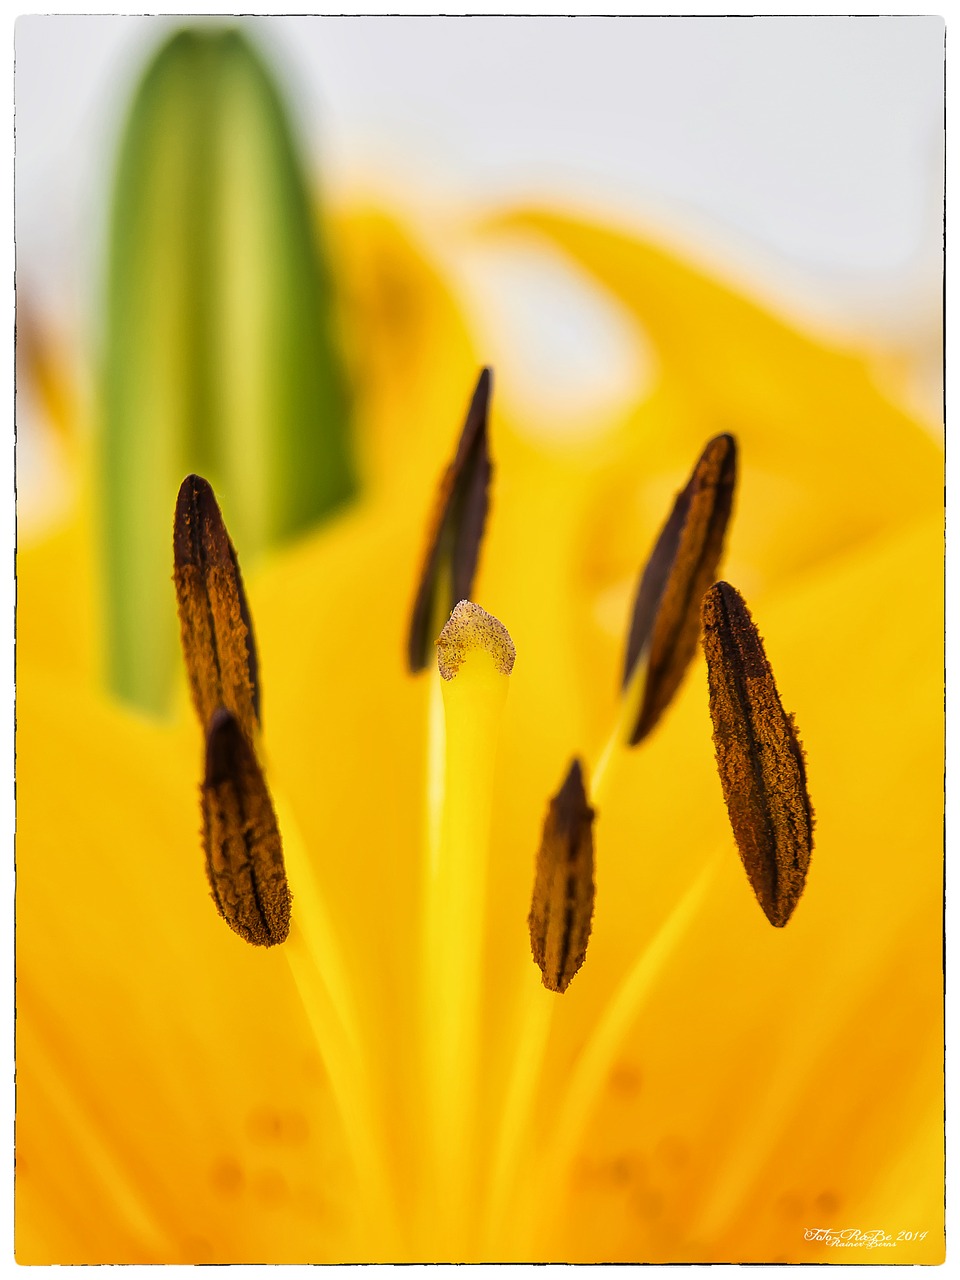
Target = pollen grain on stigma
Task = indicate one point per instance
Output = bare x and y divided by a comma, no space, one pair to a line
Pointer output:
469,629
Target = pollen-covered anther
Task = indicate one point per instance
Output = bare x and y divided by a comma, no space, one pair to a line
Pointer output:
759,756
455,531
561,911
215,629
683,564
471,629
241,838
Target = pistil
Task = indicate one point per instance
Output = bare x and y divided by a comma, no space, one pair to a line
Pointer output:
456,816
475,656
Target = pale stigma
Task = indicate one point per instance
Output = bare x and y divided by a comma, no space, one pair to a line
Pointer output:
471,629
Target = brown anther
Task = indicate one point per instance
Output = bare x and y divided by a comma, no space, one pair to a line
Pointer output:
241,838
758,755
684,562
456,531
562,908
215,629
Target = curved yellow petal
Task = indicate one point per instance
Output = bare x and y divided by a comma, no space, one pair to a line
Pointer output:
810,418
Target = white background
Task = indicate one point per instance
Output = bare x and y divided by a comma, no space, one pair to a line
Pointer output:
808,151
801,156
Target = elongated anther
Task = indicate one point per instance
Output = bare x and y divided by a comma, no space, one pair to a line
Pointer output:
561,912
215,628
456,530
684,562
759,756
241,838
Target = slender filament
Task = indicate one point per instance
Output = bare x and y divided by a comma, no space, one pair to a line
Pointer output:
627,712
319,975
595,1062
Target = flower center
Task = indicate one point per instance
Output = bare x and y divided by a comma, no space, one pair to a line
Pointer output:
469,1206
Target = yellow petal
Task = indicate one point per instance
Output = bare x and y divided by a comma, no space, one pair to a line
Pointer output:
810,419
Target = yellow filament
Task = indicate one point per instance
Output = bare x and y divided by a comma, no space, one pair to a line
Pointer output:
351,1089
473,702
627,713
319,975
595,1062
317,935
538,1006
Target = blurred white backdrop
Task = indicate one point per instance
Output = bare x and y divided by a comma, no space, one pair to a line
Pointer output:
819,139
801,155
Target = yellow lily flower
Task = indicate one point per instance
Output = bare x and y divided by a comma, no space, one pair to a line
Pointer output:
708,1088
